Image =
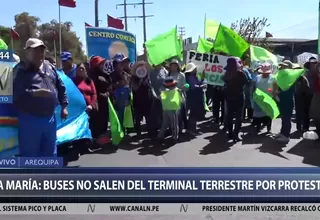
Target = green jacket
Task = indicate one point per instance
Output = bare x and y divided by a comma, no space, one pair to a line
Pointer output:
171,99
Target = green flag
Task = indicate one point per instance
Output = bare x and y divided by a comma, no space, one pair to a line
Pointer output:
262,55
163,47
204,46
3,45
287,77
266,103
128,117
115,126
128,121
211,28
229,42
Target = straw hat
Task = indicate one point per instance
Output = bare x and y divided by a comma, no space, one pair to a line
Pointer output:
190,67
296,66
286,63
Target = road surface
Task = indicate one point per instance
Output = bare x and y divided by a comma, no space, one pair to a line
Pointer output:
208,150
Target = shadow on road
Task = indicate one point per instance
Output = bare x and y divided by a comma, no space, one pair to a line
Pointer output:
271,146
296,135
208,127
218,144
157,148
309,150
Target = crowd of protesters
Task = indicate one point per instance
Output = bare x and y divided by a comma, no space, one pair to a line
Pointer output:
166,96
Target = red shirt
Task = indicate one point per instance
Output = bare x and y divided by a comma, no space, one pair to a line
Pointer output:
316,85
88,91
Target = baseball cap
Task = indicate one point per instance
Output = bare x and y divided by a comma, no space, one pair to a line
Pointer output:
119,57
65,56
34,43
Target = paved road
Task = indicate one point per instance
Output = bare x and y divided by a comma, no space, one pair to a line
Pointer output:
208,150
211,149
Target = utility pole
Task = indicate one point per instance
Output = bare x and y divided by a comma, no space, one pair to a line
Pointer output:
143,16
96,12
182,32
125,13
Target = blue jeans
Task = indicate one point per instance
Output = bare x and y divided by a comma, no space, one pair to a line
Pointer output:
37,135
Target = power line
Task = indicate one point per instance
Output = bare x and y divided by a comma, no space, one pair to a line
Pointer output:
143,16
293,26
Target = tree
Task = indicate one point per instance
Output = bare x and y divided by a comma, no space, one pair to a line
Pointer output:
49,33
5,35
28,26
251,29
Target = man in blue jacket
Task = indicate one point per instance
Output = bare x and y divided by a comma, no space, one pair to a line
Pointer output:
37,90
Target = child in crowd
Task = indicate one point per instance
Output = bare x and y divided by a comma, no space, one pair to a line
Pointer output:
264,81
122,97
171,99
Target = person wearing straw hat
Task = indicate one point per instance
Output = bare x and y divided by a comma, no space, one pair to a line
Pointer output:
286,64
179,77
286,106
195,101
302,101
264,81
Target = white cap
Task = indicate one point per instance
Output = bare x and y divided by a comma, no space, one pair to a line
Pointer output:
34,43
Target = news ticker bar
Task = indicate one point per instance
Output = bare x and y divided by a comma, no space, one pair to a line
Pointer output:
153,209
159,185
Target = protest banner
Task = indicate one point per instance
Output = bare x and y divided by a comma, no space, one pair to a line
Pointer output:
212,64
106,42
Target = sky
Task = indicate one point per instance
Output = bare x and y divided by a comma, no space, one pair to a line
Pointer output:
287,18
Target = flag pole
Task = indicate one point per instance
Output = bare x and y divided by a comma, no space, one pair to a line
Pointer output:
212,49
60,33
204,28
55,49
